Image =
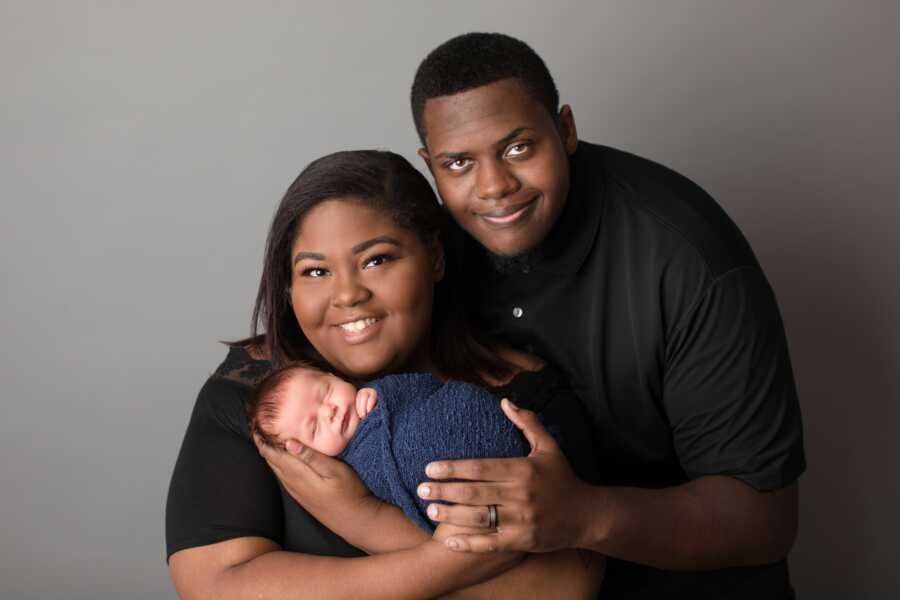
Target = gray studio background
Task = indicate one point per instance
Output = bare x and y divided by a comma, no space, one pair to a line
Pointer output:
143,147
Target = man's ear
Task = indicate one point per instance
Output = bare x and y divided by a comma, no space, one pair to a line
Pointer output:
437,251
565,125
427,158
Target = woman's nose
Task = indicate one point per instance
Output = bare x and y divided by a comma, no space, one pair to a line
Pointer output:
494,181
349,291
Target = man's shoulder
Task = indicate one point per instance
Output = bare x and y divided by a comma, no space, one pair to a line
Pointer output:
646,197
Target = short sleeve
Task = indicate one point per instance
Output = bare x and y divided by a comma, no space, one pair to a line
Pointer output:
221,487
729,388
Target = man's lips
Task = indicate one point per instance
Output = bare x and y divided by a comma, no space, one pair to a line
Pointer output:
507,214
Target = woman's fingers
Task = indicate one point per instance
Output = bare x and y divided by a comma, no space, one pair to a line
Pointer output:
295,462
489,542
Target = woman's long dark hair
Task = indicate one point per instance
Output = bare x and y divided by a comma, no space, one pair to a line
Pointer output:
387,183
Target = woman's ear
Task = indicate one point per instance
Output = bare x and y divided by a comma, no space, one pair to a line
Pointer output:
437,252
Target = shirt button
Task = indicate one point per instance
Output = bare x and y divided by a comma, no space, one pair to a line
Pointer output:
518,312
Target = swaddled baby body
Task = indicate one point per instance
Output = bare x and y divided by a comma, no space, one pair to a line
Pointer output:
387,430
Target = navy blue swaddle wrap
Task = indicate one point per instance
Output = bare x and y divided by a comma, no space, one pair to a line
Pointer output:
419,419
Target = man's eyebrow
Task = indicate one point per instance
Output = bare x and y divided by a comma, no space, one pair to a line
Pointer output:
501,142
308,256
510,136
381,239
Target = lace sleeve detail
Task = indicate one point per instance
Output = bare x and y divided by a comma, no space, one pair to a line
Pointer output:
239,366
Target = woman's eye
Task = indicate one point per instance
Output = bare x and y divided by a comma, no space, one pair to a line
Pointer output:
459,164
314,272
376,260
517,150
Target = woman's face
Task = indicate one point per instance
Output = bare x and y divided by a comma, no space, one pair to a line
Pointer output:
362,289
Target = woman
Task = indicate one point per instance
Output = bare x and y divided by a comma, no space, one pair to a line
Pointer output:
354,280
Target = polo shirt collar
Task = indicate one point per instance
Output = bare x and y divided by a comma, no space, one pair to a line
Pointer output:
572,237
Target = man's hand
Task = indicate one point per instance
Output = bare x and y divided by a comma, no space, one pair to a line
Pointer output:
541,504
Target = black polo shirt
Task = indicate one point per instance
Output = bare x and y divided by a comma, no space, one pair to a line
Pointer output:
649,298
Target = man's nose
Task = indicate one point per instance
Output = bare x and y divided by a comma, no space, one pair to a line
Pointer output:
494,180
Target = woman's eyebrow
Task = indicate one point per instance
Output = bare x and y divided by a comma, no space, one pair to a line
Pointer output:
308,256
381,239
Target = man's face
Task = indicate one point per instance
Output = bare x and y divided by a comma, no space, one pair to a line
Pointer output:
500,162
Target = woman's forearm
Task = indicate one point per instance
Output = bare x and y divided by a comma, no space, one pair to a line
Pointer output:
379,527
564,575
256,568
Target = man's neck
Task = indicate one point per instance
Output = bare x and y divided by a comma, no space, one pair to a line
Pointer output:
520,264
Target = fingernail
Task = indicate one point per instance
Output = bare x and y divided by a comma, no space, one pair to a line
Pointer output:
435,470
293,446
511,405
424,491
453,544
433,511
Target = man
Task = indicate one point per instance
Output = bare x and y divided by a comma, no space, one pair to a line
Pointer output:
634,281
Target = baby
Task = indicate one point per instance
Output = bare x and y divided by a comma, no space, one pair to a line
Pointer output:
388,430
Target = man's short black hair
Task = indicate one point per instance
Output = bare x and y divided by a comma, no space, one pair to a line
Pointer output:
472,60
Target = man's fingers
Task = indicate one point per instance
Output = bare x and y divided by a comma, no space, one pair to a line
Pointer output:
480,494
477,469
458,514
538,437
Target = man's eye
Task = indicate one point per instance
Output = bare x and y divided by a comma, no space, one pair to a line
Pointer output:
459,164
314,272
376,260
517,150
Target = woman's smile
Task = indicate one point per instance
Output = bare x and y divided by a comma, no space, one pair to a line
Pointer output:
362,288
360,331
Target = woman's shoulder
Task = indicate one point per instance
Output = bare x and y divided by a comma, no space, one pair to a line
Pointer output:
245,364
222,399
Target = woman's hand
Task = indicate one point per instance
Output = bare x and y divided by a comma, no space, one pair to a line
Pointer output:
332,492
541,505
326,487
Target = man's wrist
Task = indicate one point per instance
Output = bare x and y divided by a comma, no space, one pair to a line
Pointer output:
594,513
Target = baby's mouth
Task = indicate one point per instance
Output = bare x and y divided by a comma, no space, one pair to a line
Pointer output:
345,422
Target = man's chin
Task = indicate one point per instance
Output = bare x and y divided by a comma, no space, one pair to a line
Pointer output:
509,262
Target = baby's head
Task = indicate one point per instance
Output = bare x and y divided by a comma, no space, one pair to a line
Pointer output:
316,408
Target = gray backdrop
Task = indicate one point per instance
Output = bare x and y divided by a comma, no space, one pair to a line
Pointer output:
143,147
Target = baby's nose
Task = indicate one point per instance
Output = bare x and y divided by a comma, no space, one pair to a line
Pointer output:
329,411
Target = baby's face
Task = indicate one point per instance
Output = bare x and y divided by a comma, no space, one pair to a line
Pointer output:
318,410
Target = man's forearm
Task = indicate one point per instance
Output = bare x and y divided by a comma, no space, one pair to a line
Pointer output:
712,522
